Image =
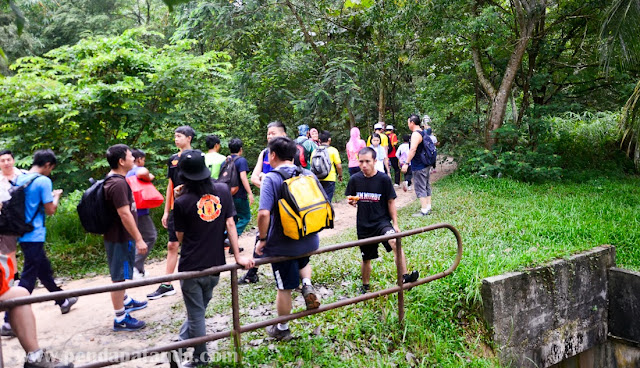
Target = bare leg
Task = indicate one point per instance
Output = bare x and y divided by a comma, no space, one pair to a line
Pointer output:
283,302
12,255
172,257
365,268
425,202
403,261
22,320
117,299
305,272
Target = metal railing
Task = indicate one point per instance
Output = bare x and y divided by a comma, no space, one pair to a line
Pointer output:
238,329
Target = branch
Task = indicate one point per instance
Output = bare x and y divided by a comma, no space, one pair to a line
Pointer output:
482,78
305,32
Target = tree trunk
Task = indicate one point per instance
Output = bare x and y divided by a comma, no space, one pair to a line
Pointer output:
382,103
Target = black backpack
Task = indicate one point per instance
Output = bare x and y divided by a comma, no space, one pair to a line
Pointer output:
12,216
96,215
229,174
429,151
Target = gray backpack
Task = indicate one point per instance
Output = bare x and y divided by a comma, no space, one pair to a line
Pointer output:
321,162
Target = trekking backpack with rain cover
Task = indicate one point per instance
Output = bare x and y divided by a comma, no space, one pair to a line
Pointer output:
321,162
304,208
229,174
429,152
300,159
13,220
96,216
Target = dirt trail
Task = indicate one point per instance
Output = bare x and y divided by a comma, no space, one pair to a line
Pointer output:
85,334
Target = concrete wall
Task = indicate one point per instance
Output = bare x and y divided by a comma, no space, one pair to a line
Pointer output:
543,316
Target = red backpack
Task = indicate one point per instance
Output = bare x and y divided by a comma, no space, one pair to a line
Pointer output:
300,159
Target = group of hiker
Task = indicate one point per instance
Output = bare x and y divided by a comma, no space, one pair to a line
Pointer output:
207,207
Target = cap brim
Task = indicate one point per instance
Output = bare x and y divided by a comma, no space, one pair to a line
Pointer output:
206,173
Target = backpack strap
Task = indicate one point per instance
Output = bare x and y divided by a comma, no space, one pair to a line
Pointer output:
286,176
25,186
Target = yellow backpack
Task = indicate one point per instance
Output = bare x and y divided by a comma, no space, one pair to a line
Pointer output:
304,208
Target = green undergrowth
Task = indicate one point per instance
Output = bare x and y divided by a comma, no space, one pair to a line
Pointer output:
505,226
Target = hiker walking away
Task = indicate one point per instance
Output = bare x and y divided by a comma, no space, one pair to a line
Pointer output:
381,159
393,160
243,197
122,240
354,145
419,171
372,192
182,137
272,242
274,129
24,321
314,135
307,144
40,200
8,243
145,222
332,157
403,154
213,158
203,212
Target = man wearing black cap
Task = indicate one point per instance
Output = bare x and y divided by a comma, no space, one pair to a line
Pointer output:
202,212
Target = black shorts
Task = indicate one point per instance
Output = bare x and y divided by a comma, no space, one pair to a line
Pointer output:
171,228
287,273
370,251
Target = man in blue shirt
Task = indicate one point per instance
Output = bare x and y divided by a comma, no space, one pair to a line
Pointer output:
244,197
272,242
40,200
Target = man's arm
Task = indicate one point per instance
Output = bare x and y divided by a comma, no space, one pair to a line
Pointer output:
167,204
245,184
264,216
144,174
416,139
394,214
51,207
129,224
255,175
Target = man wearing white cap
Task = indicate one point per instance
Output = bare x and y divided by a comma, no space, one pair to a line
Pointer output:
393,159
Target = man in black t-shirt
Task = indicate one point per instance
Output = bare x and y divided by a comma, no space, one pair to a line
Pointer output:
182,137
372,192
203,212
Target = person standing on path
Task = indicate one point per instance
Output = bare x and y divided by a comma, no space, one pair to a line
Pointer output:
40,200
203,212
372,192
354,145
419,170
243,199
213,158
403,154
272,242
8,243
145,222
306,142
182,137
329,183
381,159
122,240
393,160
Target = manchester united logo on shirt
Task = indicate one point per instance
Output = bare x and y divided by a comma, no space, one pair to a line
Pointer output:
209,207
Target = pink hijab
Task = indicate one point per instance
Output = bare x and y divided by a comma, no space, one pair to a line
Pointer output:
354,145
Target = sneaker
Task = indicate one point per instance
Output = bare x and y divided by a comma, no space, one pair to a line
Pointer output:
240,249
163,290
137,275
364,289
410,277
278,334
6,330
46,361
396,185
410,187
310,297
249,278
69,302
128,324
135,305
420,214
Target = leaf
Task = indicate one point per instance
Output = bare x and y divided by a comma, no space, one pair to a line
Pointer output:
20,19
172,3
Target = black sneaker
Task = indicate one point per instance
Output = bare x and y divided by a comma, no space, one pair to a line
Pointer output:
279,334
69,303
46,361
249,278
364,289
310,297
240,249
163,290
6,330
410,277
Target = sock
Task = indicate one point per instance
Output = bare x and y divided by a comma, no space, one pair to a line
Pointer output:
306,281
283,326
35,356
127,299
427,209
120,314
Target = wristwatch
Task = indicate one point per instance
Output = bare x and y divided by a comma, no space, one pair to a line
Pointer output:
262,239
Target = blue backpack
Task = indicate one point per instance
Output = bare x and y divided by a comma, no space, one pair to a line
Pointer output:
429,152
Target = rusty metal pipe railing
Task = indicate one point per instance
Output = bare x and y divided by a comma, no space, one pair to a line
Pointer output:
238,329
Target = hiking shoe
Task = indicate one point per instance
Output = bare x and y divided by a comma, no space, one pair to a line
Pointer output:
410,277
46,361
6,331
310,297
364,289
128,324
135,305
163,290
421,214
69,302
248,278
278,334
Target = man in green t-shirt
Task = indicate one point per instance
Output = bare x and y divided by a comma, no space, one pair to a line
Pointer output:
213,159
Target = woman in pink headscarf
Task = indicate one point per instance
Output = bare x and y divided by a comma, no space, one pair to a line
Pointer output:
314,136
354,145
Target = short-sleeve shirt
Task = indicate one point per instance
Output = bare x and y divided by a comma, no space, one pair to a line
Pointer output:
118,193
384,141
403,153
134,172
277,243
373,195
242,165
37,194
5,183
214,161
393,141
173,173
381,154
334,157
266,166
202,219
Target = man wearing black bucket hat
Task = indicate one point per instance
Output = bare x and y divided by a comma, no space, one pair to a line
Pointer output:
202,212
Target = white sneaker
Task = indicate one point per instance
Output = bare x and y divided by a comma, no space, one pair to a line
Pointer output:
395,185
137,275
410,187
